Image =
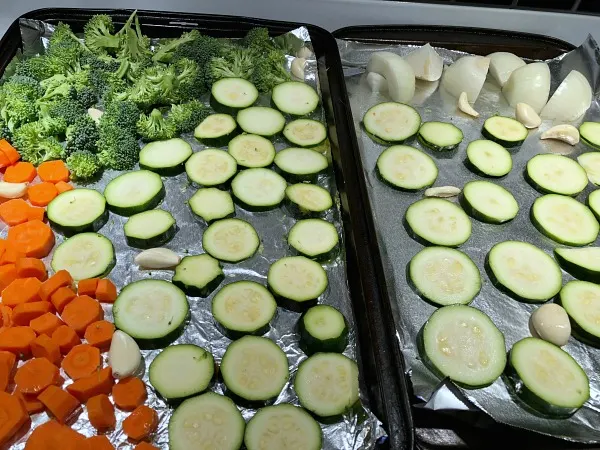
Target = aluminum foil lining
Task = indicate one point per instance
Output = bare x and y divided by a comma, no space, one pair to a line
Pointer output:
357,430
397,247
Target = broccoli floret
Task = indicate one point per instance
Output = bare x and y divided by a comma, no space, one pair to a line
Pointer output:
4,131
269,71
166,50
98,34
133,45
258,39
235,63
37,67
83,165
119,149
68,109
123,115
16,111
53,126
201,50
190,81
64,51
154,127
34,145
85,95
157,86
83,135
187,116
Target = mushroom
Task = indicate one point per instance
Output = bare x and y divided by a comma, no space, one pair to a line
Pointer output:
465,106
565,133
550,322
527,116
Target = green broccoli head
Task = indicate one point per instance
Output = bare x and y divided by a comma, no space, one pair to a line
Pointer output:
202,49
133,45
165,52
16,111
99,35
187,116
4,131
119,149
38,68
258,39
122,115
269,71
34,146
83,165
154,127
53,126
235,63
83,135
190,81
67,108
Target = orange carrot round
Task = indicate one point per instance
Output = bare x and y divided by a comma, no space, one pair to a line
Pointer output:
59,279
42,194
61,187
52,435
66,338
81,312
83,360
7,364
62,297
145,446
22,290
32,404
46,324
26,312
17,340
8,274
60,403
21,172
44,347
87,287
129,393
100,382
53,171
34,238
106,291
6,313
14,416
36,375
97,443
11,255
31,268
15,211
101,412
140,423
36,213
99,334
9,151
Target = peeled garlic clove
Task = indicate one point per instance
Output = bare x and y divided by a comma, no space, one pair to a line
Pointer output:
527,116
297,68
305,53
565,133
571,99
442,191
95,114
426,63
12,190
376,82
397,72
529,84
157,258
124,356
466,75
502,64
550,322
465,106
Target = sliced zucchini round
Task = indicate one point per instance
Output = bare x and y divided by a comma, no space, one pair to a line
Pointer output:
230,240
593,202
150,229
78,210
489,202
463,344
309,198
232,94
391,123
591,164
134,192
444,276
216,130
323,329
85,255
582,263
210,167
300,164
525,271
180,371
150,309
295,98
556,174
439,222
406,168
581,301
564,220
198,275
212,204
165,157
590,134
314,238
297,281
251,150
305,132
505,131
261,120
489,158
259,189
440,136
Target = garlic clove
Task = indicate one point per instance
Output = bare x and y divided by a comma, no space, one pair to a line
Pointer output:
297,68
565,133
550,322
376,82
157,258
95,114
442,191
527,116
12,190
465,106
124,356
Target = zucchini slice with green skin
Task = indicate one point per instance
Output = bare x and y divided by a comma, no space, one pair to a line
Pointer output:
582,263
581,301
216,130
488,158
198,413
440,136
314,238
165,157
327,384
556,174
547,378
444,276
229,95
150,229
134,192
305,132
323,329
308,199
593,202
230,240
524,271
489,202
85,255
254,370
590,134
391,123
258,189
267,122
564,220
180,371
283,427
198,275
462,343
212,204
591,164
77,210
300,164
505,131
252,150
210,167
406,168
297,282
295,98
242,308
438,222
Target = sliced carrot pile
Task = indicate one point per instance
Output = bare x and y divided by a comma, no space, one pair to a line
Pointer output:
53,171
87,287
99,334
36,213
44,347
97,443
22,290
32,404
13,414
66,338
140,423
129,393
9,152
7,364
60,403
42,194
100,382
21,172
81,312
59,279
8,274
26,312
46,324
61,187
31,268
82,361
54,436
34,238
145,446
5,316
62,297
36,375
101,412
106,291
11,255
17,340
15,211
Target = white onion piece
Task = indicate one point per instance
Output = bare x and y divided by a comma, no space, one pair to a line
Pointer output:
502,64
397,72
529,84
571,99
466,75
426,63
376,82
424,90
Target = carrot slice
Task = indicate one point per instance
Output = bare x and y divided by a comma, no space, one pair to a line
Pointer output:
9,151
97,443
129,393
140,423
106,291
99,334
46,324
87,287
56,281
22,290
36,375
11,255
17,340
82,361
21,172
34,238
42,194
44,347
101,412
8,274
26,312
13,414
15,211
100,382
4,162
31,268
61,187
145,446
81,312
6,313
53,171
62,297
35,213
7,364
54,436
32,404
60,403
66,338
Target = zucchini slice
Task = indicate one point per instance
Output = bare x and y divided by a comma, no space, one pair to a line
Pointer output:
267,122
406,168
556,174
305,132
564,220
505,131
463,344
85,255
581,301
300,164
297,281
229,95
489,202
198,275
547,378
252,150
391,123
525,271
582,263
134,192
165,157
254,369
78,210
489,158
591,164
210,167
323,329
309,198
295,98
216,130
590,134
438,222
150,229
314,238
444,276
259,189
180,371
440,136
593,202
212,204
230,240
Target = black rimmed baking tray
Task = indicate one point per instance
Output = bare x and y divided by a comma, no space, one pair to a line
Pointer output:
376,354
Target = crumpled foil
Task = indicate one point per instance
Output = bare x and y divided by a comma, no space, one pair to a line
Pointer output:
357,430
397,247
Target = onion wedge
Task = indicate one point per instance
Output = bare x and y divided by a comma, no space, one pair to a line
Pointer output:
502,64
529,84
398,74
466,75
571,99
426,63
